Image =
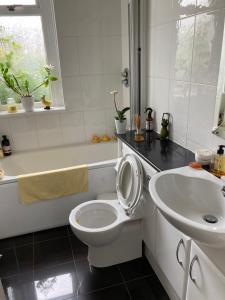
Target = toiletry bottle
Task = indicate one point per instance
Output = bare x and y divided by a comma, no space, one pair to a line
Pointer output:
149,119
219,162
6,148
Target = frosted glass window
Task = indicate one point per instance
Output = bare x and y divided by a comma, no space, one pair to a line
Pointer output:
30,55
17,2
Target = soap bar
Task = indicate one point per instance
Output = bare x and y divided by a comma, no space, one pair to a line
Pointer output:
195,165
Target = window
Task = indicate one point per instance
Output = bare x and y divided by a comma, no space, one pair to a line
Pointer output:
28,40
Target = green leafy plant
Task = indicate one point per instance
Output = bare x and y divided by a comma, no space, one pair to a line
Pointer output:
20,84
120,113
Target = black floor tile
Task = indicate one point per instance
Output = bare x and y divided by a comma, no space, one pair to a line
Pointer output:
69,230
19,287
17,241
80,250
59,281
23,240
146,289
92,278
113,293
6,243
50,234
51,253
25,258
135,269
8,263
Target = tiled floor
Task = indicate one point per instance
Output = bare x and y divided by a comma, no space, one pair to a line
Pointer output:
53,264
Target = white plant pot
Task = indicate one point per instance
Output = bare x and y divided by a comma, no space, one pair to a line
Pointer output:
28,103
121,126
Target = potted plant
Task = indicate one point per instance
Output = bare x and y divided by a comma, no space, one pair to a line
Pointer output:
21,85
120,119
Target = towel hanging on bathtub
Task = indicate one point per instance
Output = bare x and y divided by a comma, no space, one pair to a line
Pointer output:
53,184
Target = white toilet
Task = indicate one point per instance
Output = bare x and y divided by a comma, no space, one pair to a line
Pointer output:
111,225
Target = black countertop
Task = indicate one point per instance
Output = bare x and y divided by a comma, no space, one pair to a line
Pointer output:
161,154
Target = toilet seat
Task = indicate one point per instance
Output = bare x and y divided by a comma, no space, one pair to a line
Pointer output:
129,182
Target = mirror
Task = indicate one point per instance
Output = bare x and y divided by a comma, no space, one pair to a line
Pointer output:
219,117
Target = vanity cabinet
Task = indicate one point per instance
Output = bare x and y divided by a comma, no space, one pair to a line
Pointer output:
172,254
205,281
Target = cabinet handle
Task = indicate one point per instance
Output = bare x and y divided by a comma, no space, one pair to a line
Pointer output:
195,258
181,242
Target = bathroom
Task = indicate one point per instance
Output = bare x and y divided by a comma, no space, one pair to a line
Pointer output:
98,199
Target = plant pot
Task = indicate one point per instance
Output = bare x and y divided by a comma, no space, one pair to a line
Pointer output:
121,126
28,103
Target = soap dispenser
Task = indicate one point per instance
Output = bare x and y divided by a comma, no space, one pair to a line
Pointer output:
219,162
149,119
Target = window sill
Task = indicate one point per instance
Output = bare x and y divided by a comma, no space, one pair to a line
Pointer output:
20,112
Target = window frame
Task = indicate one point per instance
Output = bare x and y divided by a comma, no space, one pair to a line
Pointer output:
44,9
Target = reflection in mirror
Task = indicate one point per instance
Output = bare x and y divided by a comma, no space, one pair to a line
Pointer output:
219,118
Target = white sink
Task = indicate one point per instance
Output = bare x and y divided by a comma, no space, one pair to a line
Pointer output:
190,199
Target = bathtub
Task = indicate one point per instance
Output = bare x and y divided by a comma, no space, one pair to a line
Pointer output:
17,218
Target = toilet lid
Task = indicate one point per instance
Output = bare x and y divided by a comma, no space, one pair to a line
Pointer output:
129,181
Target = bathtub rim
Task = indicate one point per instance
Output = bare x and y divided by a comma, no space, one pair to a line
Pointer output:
97,165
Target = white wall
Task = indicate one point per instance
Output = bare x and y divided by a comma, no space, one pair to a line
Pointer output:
89,34
184,47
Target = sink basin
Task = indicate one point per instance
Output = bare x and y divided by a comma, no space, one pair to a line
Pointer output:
192,201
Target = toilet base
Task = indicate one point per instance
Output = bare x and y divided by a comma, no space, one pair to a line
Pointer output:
127,246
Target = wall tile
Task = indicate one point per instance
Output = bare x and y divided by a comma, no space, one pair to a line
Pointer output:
158,93
92,91
95,123
112,55
5,128
160,12
110,121
182,49
111,20
207,47
110,83
69,58
160,48
72,128
24,134
89,35
73,93
90,53
201,112
178,107
124,17
49,130
65,17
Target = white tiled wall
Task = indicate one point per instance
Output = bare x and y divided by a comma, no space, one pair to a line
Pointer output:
184,49
89,34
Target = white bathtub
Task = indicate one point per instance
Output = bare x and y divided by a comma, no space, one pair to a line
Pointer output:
16,218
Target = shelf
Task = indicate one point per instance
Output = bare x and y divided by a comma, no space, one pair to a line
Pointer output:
36,111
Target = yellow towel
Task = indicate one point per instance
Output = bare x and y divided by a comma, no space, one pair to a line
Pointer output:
53,184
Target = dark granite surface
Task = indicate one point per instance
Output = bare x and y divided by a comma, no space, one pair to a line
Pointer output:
162,155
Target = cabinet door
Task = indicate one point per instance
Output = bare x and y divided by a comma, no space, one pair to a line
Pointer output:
149,223
205,281
172,254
